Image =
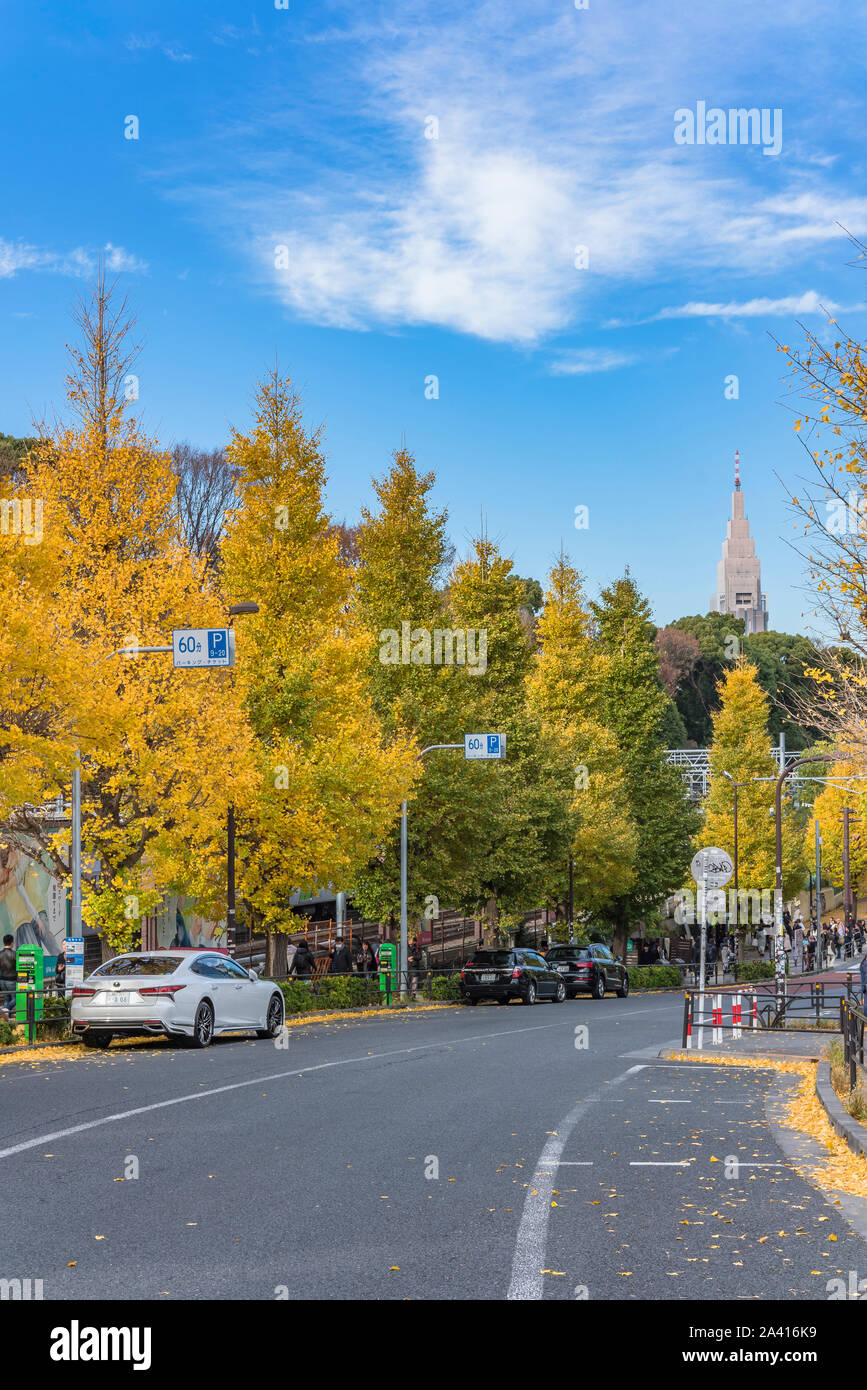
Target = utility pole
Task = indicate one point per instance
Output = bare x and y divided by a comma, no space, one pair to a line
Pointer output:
75,850
472,747
230,879
779,954
818,877
571,898
848,819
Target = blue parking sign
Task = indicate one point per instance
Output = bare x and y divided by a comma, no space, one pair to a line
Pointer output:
493,745
217,645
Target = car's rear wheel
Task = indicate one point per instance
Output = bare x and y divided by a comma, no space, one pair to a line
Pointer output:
203,1028
529,995
560,993
624,988
274,1019
599,986
97,1039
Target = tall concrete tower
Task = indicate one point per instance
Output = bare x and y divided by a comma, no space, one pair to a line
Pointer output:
739,585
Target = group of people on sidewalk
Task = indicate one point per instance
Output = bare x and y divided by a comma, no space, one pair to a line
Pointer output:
343,960
806,947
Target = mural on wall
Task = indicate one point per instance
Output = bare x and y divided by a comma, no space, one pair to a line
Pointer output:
178,924
32,902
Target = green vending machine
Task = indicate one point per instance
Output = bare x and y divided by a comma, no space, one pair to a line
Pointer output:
29,967
387,967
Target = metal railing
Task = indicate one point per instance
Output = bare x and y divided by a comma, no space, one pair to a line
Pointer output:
852,1023
761,1008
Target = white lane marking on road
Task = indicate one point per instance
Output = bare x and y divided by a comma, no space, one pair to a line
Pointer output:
258,1081
527,1281
678,1163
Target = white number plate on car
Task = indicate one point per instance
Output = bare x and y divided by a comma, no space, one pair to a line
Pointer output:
117,998
563,969
487,979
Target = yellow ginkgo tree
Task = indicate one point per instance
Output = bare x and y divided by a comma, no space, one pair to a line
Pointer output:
327,784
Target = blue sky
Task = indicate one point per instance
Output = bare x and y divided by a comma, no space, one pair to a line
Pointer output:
410,257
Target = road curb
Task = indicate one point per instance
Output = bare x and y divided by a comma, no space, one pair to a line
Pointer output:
292,1021
853,1133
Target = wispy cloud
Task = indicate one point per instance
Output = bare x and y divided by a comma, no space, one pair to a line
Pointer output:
584,361
146,43
555,130
80,261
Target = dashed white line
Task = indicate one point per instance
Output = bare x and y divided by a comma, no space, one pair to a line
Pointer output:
527,1281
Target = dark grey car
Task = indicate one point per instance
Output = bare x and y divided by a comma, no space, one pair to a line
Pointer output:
510,974
589,970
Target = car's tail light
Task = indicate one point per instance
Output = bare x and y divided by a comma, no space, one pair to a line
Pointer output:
463,974
79,990
152,1023
162,989
516,972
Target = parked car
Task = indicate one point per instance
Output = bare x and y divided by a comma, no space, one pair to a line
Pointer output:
192,995
506,975
589,970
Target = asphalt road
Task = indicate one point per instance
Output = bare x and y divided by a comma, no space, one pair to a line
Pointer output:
462,1153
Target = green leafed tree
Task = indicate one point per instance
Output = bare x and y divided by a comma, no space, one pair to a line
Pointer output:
634,704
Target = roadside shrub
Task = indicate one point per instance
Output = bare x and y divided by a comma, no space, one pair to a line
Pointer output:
8,1033
654,977
297,996
329,992
343,992
445,989
749,970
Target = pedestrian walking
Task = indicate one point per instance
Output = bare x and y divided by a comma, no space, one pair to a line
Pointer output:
415,964
341,958
302,964
367,959
8,976
60,972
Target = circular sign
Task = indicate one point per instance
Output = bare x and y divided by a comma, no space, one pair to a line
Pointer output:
712,867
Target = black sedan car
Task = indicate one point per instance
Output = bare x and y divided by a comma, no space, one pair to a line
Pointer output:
589,970
505,975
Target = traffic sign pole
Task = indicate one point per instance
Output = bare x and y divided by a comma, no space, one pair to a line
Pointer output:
474,746
709,866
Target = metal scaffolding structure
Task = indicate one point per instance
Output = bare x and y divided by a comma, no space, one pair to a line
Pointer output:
694,765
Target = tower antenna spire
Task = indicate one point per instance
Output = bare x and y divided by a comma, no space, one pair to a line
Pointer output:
737,470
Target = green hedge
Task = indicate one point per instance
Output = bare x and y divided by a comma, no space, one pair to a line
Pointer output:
331,992
749,970
446,989
654,977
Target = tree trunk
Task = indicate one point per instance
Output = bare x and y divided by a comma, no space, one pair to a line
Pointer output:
276,966
621,936
490,934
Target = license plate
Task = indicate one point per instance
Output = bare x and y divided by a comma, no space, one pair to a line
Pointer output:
117,998
487,979
564,969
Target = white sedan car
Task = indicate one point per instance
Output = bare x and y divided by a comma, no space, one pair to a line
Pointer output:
183,993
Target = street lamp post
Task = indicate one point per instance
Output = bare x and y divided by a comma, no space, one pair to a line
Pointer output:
779,954
473,747
235,610
403,950
736,787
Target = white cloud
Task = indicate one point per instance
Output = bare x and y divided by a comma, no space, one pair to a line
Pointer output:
555,130
808,303
80,261
583,361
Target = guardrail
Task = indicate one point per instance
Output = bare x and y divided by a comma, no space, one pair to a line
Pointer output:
852,1023
763,1009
